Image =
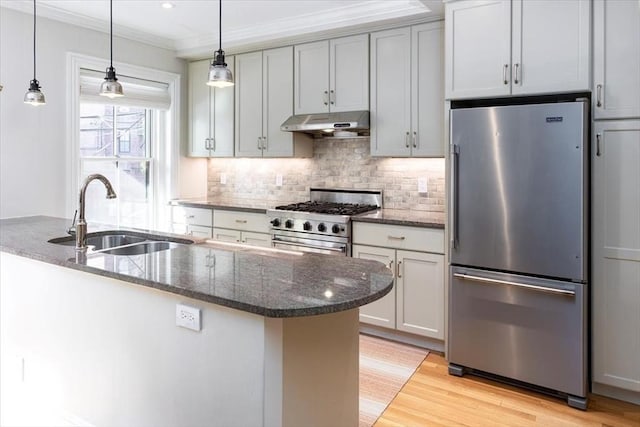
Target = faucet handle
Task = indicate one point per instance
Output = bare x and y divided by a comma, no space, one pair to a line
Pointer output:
72,230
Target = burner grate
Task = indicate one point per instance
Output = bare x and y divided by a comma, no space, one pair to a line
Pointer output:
330,208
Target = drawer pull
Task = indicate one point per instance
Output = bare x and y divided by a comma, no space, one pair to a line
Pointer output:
241,221
396,237
191,216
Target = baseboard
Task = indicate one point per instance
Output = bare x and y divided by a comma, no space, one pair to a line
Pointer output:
430,344
616,393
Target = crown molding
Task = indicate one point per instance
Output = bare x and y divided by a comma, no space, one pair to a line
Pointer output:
46,11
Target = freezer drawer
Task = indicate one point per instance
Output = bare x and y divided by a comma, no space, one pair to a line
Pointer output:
520,327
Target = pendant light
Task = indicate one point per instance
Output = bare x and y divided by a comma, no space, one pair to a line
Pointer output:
219,74
34,96
110,86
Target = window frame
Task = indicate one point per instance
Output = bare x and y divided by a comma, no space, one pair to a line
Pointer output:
165,175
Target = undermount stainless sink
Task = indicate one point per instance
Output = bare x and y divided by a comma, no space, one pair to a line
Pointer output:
119,242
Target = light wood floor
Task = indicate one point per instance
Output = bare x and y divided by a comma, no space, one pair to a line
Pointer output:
432,397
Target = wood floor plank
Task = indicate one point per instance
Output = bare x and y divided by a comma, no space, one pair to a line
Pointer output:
432,397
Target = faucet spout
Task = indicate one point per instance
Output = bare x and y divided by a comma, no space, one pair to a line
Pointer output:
81,226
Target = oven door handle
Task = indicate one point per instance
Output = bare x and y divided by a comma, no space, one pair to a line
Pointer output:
342,249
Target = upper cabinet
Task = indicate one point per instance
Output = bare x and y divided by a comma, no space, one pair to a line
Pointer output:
616,59
332,75
210,114
516,47
407,94
264,94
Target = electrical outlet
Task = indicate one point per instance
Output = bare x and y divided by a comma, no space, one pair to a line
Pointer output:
188,317
278,180
223,178
422,185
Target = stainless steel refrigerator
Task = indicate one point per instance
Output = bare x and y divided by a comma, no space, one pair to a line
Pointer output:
518,305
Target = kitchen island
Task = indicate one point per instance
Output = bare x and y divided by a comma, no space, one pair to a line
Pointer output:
97,335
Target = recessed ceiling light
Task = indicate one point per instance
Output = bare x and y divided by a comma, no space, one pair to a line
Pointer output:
167,5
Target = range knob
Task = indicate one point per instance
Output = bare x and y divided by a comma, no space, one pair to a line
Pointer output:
275,222
288,223
336,228
306,226
322,228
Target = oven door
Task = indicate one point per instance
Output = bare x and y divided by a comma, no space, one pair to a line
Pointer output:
303,244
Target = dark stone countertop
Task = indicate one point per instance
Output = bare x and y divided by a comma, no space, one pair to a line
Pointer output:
401,217
261,281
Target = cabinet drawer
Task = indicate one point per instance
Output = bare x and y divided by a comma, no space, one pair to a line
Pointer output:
399,237
245,221
192,216
225,235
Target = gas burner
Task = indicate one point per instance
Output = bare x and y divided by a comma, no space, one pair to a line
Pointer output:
331,208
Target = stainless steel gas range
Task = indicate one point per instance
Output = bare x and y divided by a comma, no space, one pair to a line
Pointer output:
322,224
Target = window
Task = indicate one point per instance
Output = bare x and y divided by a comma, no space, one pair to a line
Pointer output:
118,142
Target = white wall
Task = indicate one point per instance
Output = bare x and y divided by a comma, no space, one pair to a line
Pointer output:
33,156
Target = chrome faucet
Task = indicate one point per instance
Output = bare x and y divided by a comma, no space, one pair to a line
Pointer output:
81,226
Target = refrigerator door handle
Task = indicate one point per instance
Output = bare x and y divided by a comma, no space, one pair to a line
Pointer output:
509,283
455,152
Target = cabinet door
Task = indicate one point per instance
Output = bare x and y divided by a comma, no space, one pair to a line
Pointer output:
616,254
381,312
277,99
248,89
311,78
616,61
349,73
199,231
427,90
550,46
224,235
200,109
478,48
391,93
420,293
223,111
256,239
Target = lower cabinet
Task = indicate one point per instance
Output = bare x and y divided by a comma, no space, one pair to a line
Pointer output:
246,237
195,222
416,304
250,228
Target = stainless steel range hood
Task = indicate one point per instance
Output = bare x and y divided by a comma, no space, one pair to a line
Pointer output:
348,123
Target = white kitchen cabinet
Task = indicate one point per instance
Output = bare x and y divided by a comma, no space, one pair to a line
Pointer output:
250,228
332,75
616,256
264,93
616,59
407,93
415,255
210,114
516,47
196,222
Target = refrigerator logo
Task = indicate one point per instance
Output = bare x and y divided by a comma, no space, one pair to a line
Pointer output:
554,119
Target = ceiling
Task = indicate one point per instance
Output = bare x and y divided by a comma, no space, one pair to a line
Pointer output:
191,26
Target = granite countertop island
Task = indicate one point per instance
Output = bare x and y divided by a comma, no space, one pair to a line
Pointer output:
262,281
201,334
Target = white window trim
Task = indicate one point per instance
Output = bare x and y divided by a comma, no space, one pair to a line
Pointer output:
168,146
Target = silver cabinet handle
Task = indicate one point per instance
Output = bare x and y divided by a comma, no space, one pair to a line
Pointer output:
325,97
260,147
264,143
396,237
207,143
516,79
212,146
406,139
241,221
455,154
415,139
505,69
332,97
598,136
399,265
191,216
516,284
391,265
599,95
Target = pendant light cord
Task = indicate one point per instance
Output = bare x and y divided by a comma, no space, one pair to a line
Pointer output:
219,25
34,40
110,29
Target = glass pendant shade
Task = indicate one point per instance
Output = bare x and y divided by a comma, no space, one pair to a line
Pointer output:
110,87
219,74
34,96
